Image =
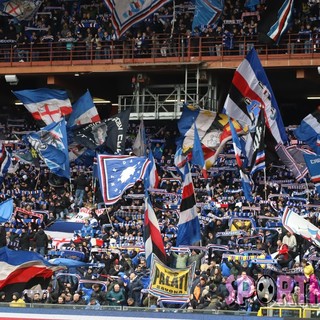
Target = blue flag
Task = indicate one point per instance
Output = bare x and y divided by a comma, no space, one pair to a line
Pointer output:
313,164
188,226
309,131
6,210
118,173
197,153
5,161
151,179
251,4
83,111
69,263
275,20
207,13
47,105
52,146
250,84
238,150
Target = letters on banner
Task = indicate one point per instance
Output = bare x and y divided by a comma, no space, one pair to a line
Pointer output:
169,282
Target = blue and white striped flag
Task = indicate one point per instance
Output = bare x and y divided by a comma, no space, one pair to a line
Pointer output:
207,13
5,161
188,225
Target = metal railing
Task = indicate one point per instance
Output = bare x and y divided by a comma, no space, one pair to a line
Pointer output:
178,49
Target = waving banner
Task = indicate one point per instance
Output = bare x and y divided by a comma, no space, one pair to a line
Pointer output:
169,282
298,225
125,13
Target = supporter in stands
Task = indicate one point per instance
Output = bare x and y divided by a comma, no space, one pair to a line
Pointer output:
77,299
283,257
290,240
81,183
41,241
2,296
195,298
133,288
17,302
98,294
308,269
3,240
93,304
24,239
116,296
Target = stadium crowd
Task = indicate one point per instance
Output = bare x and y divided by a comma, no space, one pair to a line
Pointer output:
86,30
112,238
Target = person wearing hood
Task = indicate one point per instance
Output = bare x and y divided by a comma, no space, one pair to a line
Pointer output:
17,302
41,241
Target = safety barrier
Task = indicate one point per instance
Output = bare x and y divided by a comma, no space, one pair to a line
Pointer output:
300,312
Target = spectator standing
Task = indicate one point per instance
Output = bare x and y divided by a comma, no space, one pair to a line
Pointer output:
41,241
134,288
81,183
24,239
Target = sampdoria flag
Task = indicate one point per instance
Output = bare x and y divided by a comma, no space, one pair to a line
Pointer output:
6,210
197,156
217,136
28,156
109,134
207,13
152,178
5,161
48,105
313,164
275,20
83,111
52,147
153,242
22,270
250,84
254,145
309,131
125,13
117,173
296,224
293,159
239,152
190,116
188,225
81,156
21,10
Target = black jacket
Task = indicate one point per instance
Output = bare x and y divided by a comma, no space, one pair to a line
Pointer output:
41,239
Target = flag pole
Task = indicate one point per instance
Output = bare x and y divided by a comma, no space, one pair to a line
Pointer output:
94,183
265,183
107,211
307,187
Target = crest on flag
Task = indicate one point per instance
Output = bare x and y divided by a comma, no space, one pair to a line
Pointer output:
22,10
110,133
52,147
48,105
117,173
